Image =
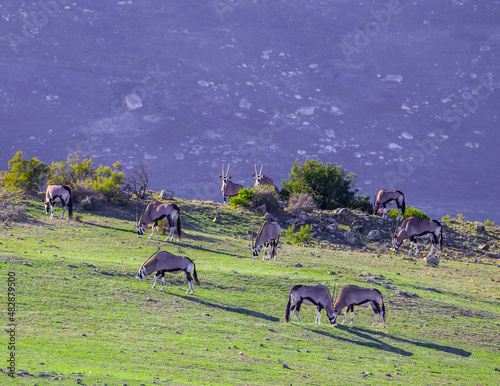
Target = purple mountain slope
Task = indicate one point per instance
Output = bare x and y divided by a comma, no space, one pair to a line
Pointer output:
403,94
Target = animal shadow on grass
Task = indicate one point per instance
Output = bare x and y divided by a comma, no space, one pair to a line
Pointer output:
238,310
370,341
451,350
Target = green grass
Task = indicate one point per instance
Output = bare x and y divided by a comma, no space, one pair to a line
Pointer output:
81,315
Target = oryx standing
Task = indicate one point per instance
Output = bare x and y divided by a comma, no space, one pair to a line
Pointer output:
352,295
157,211
61,193
386,197
260,179
228,189
162,262
414,227
269,235
317,295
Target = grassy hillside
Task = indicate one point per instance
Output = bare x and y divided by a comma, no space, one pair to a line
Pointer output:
83,318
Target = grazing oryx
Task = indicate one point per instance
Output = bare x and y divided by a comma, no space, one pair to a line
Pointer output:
414,227
385,197
260,179
317,295
228,189
162,262
61,193
157,211
352,295
269,235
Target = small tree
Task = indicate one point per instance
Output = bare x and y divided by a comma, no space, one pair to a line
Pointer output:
329,185
108,181
28,176
138,181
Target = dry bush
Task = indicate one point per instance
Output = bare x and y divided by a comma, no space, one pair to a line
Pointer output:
10,212
301,201
88,198
265,195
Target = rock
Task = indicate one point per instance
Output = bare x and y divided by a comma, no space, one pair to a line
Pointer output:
484,247
432,261
374,235
298,265
349,237
357,226
480,228
331,228
166,194
332,273
270,217
261,209
344,215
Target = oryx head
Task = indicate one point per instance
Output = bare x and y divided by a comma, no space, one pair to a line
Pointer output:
141,274
224,176
258,176
395,242
47,207
141,228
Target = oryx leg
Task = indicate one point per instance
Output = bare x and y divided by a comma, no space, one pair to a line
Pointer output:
190,281
155,225
432,249
51,209
154,284
384,212
297,309
318,317
377,310
170,234
345,313
64,207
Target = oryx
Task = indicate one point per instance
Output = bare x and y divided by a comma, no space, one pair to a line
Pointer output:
156,211
162,262
386,197
317,295
352,295
414,227
260,179
269,235
228,189
61,193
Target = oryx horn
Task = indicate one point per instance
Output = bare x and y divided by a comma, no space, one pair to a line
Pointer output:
227,172
261,166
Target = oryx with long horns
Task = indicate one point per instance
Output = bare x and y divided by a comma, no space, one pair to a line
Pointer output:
161,262
228,189
268,236
386,197
157,211
260,179
352,295
317,295
61,193
413,228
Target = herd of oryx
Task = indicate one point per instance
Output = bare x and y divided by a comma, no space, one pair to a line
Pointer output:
268,236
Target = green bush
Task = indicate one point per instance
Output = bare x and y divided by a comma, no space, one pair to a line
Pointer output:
28,176
242,199
489,223
72,171
329,185
107,181
409,212
302,237
363,203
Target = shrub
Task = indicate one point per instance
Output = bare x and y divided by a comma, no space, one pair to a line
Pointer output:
363,203
72,171
303,236
409,212
265,195
301,201
329,185
489,223
92,201
10,212
108,182
243,198
28,176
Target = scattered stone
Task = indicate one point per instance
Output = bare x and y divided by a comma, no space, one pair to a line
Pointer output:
285,366
261,209
374,235
166,194
298,265
484,247
407,294
328,358
434,261
480,228
84,335
431,289
332,273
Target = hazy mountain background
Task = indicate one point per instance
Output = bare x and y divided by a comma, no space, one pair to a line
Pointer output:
404,94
